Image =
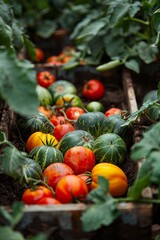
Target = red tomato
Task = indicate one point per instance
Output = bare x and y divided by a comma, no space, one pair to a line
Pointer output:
54,172
32,196
62,129
87,180
57,120
93,89
45,78
113,111
73,113
48,201
71,188
39,55
80,159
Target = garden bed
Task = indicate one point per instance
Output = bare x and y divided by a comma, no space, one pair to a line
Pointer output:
63,222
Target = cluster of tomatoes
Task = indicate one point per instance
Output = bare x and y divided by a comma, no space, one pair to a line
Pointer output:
71,180
56,60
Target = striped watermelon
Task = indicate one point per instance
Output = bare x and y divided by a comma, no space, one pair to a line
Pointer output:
110,148
114,124
75,138
91,122
45,155
30,170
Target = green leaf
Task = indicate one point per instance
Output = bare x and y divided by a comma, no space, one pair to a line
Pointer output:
98,215
98,195
11,161
6,215
5,34
17,36
104,211
8,233
71,64
132,65
114,46
17,213
2,137
147,52
84,23
146,105
92,29
46,28
150,142
156,19
18,83
154,159
143,180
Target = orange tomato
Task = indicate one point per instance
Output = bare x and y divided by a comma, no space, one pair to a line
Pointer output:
39,55
46,111
54,60
118,183
40,139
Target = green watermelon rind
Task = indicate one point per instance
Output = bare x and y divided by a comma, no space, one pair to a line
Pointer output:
110,148
75,138
91,122
46,155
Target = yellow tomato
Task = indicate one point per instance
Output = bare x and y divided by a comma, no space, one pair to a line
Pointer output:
118,183
40,139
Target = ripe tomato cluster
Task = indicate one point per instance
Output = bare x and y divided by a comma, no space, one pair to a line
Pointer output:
69,175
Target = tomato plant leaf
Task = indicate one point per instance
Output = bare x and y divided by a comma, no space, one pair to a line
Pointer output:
147,52
119,9
11,161
8,233
146,105
2,137
17,213
100,214
143,180
92,29
5,34
149,143
149,150
98,195
104,210
133,65
18,83
46,29
83,23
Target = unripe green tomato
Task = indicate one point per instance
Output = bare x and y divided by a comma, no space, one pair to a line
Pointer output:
95,106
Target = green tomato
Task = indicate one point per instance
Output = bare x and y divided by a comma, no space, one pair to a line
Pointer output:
95,106
61,87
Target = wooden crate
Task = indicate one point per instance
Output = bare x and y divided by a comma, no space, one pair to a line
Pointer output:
62,222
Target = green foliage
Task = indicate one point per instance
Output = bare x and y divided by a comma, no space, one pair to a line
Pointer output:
17,83
127,30
149,173
13,218
104,211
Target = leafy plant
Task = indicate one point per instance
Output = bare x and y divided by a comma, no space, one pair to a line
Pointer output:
18,81
104,209
125,31
13,218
